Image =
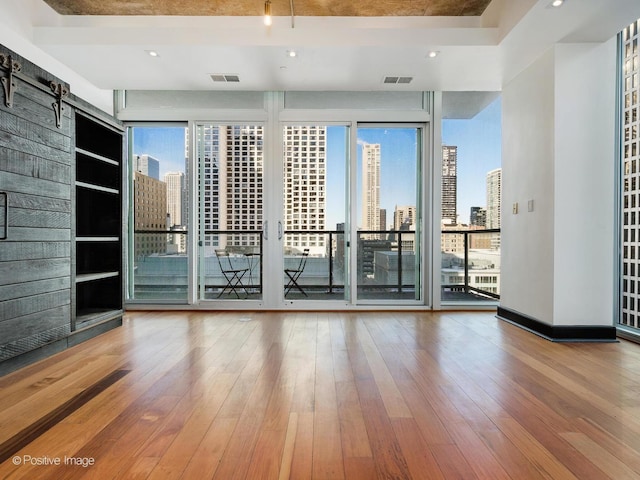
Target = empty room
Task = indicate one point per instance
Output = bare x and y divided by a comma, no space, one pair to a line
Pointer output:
319,240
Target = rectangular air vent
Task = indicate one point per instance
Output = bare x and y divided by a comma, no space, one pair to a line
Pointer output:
397,80
225,77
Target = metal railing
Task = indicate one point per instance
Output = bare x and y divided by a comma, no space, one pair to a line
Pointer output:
386,261
483,254
329,286
245,248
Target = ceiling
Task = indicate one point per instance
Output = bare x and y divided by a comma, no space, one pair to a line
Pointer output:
340,45
309,8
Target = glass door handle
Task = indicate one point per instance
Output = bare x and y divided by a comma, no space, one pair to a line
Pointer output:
279,230
265,230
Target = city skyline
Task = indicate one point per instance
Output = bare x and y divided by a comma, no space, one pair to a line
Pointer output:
478,142
449,206
371,187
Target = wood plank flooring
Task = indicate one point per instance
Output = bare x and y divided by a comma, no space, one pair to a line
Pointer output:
299,395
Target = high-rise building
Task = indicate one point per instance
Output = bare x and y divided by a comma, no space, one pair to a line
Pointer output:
150,214
404,217
494,198
305,187
631,185
404,220
231,165
147,165
478,217
449,184
371,186
175,197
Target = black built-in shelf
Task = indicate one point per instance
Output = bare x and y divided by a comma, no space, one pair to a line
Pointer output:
98,244
100,139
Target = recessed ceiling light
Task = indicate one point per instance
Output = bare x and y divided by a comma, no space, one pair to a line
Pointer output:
152,53
292,53
557,3
433,54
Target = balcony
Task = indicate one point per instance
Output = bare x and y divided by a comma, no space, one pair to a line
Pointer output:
470,271
386,263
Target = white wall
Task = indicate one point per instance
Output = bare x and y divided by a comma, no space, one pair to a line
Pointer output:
16,20
584,183
527,174
558,150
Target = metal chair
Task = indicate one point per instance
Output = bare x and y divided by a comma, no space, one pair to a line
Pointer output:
294,274
232,275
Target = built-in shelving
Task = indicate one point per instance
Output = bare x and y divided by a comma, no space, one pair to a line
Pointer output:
98,242
89,277
63,282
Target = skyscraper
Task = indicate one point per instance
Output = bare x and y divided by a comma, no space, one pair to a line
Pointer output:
304,187
230,159
449,184
478,217
147,165
404,215
230,172
175,196
494,198
404,220
630,185
150,214
371,186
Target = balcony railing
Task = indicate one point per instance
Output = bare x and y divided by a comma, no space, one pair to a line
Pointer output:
470,264
245,253
386,263
159,270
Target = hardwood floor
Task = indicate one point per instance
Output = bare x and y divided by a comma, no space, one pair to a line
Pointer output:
384,395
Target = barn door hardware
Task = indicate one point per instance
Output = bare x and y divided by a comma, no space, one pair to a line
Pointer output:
60,91
8,82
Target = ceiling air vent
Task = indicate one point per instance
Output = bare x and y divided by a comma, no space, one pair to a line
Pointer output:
397,80
225,77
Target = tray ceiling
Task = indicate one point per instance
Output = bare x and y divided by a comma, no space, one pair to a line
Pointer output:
339,8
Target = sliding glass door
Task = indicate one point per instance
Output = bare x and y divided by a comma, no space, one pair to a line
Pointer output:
314,205
158,262
229,162
345,223
388,184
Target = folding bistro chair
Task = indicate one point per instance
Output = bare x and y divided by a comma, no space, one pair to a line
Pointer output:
294,274
233,276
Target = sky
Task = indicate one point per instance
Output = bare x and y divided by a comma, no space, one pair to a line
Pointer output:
398,153
163,143
479,151
479,142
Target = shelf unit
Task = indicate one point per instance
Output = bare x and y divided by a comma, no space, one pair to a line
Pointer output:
98,229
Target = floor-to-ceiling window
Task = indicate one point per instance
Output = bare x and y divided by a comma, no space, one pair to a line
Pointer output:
230,210
279,210
315,162
389,211
471,197
630,148
158,185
